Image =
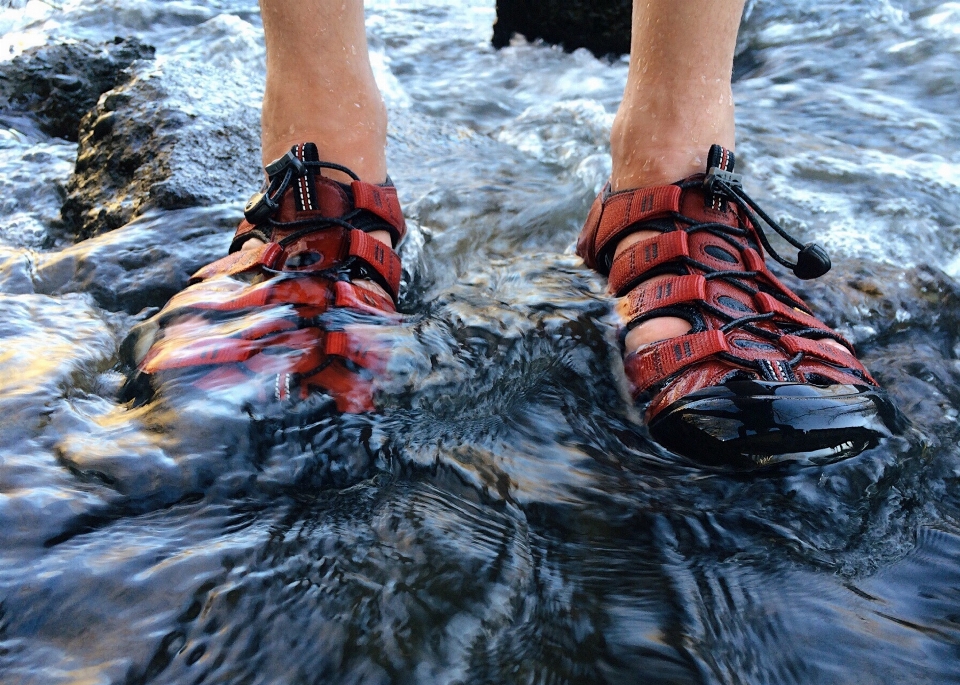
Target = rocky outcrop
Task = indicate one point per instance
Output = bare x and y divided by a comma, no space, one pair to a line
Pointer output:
55,85
168,139
601,27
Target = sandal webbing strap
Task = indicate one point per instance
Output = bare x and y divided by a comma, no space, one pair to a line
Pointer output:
816,348
647,298
631,265
381,200
333,245
239,262
317,293
246,231
622,210
658,361
754,262
304,351
768,303
384,261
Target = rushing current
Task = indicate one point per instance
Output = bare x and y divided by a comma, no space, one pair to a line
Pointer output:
503,517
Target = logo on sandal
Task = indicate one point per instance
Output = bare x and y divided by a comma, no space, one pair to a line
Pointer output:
646,202
683,350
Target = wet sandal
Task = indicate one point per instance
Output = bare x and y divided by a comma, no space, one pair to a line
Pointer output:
753,383
286,318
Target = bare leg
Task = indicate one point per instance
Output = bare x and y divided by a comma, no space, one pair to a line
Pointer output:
677,102
320,88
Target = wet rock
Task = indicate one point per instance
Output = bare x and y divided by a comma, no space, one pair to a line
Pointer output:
57,84
141,265
178,135
873,303
601,27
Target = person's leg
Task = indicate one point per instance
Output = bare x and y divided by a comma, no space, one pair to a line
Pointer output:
677,102
733,368
320,86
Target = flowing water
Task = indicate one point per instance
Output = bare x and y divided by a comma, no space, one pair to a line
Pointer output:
504,517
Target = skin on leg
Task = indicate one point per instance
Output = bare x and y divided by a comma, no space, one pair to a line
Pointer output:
320,85
320,88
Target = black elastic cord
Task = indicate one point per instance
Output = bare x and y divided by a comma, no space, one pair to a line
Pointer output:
331,165
736,323
742,200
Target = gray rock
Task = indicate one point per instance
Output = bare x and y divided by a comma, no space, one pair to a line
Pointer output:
873,303
169,139
143,264
55,85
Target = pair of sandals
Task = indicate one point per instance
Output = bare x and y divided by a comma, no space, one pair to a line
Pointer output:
753,383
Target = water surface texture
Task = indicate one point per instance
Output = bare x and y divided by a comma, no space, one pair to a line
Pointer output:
504,518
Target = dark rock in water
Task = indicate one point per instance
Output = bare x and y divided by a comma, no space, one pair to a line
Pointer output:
143,264
139,266
872,302
601,27
154,143
57,84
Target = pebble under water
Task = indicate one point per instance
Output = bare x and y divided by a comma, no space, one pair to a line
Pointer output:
504,518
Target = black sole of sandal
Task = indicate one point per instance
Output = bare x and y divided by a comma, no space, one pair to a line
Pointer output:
749,425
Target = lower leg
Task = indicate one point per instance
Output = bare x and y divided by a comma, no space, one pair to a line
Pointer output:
320,86
677,102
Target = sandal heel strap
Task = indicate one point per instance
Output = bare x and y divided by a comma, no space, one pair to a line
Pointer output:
614,215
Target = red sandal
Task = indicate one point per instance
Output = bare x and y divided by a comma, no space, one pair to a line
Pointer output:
752,383
282,317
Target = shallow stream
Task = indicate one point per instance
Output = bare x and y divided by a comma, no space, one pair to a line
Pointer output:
504,518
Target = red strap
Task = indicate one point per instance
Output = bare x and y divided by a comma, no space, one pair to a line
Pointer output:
240,262
352,393
661,360
666,292
816,348
754,262
382,201
219,349
379,257
350,296
359,349
312,292
622,210
631,264
245,231
768,303
303,351
588,234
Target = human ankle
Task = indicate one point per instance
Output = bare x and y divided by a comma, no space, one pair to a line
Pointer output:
663,131
358,143
645,167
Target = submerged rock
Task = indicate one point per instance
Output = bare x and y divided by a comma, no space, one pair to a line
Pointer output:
175,136
601,27
57,84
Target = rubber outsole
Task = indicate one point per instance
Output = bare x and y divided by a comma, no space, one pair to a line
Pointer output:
747,425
